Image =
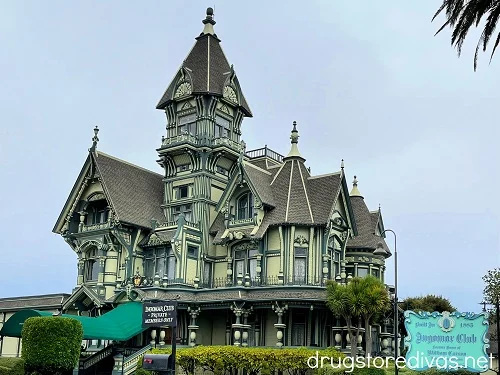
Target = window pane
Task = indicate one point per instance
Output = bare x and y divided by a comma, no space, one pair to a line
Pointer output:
253,268
298,334
95,269
171,267
239,254
207,273
362,272
186,119
240,267
299,270
301,251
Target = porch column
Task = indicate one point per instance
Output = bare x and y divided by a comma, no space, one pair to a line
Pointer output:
279,310
245,326
192,327
238,311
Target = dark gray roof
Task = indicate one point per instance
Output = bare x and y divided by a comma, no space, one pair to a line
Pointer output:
44,301
295,197
366,224
261,181
159,237
135,193
208,71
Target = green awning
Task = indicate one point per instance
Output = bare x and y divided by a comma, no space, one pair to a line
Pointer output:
120,324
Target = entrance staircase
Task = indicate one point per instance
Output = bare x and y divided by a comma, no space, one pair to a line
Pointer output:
111,360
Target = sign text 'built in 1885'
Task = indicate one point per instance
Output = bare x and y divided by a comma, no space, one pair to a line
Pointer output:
159,314
448,341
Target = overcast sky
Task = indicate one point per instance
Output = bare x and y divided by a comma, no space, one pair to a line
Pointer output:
366,81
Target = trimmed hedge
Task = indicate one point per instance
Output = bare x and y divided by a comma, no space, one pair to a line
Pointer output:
226,360
51,345
11,366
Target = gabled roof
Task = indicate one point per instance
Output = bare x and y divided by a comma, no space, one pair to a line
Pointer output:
258,180
207,70
134,193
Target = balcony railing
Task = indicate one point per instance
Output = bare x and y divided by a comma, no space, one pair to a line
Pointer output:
195,140
242,221
92,227
224,282
261,152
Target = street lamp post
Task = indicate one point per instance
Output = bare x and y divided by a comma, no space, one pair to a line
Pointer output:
381,251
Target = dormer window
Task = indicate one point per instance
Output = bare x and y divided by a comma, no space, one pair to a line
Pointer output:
222,127
97,212
244,206
187,124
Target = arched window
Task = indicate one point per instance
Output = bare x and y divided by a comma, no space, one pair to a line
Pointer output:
244,206
91,267
334,252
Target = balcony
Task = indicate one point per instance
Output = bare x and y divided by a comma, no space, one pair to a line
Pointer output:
200,141
271,281
265,152
94,227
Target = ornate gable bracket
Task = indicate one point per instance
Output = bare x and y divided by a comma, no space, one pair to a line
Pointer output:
301,240
184,85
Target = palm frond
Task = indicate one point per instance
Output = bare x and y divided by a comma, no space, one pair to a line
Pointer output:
462,15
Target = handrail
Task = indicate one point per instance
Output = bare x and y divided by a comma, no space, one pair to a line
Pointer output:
130,362
95,358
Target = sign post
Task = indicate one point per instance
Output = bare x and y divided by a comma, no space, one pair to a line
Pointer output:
448,341
160,313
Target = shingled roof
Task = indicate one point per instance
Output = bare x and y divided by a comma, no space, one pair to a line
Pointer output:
366,222
39,302
207,68
135,193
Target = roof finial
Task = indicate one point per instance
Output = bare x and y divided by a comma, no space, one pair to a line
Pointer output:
95,139
294,150
355,192
295,134
342,164
209,22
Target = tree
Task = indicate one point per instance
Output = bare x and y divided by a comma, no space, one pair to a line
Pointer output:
461,15
375,302
428,303
358,300
491,295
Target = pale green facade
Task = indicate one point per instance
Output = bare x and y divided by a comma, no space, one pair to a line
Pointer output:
246,240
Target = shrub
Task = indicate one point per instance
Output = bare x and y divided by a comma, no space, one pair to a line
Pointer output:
11,366
51,345
227,360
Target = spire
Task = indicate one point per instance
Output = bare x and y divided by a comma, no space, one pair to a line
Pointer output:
355,192
94,140
209,22
294,150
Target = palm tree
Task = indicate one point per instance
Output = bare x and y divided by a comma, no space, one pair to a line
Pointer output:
345,300
461,15
375,301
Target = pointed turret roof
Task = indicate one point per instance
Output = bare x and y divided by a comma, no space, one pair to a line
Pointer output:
207,71
366,223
